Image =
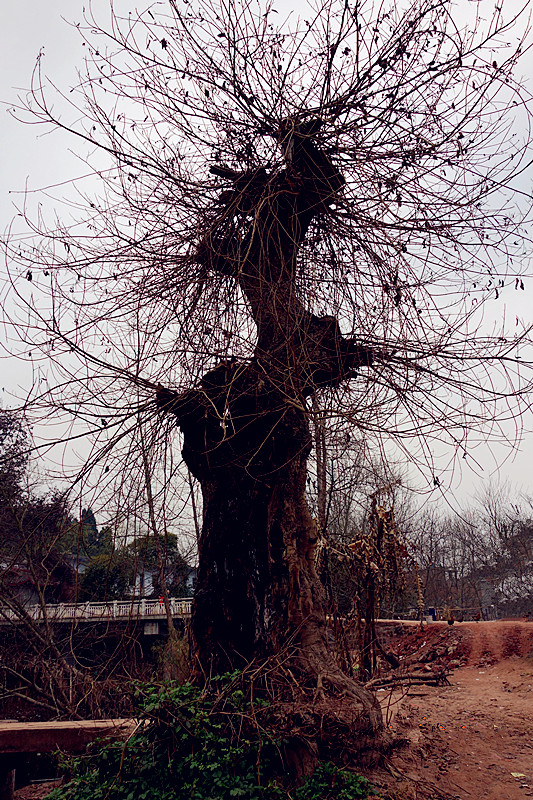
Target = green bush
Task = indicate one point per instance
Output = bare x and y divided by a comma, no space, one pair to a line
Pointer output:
200,746
331,783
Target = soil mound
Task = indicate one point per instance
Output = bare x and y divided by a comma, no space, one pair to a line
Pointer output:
478,644
435,644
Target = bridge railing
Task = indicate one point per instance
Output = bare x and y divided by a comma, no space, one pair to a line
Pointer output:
87,612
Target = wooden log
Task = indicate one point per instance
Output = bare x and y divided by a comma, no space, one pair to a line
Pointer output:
413,679
45,737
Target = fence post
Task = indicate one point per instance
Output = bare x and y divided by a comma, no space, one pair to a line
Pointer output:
7,780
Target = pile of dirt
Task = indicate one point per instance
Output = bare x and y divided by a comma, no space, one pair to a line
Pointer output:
435,644
495,641
37,791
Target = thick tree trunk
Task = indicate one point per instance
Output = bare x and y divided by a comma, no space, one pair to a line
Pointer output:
247,440
258,591
258,595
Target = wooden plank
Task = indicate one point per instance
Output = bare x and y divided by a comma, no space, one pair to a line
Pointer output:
45,737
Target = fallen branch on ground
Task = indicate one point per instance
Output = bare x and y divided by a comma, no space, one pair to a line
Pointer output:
413,679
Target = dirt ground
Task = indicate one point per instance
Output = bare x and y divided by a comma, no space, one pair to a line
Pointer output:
471,738
36,791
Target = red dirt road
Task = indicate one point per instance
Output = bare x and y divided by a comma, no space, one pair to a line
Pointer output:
473,739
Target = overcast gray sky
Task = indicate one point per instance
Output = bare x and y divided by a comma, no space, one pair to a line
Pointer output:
31,158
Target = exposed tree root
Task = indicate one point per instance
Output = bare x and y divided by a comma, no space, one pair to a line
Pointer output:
330,717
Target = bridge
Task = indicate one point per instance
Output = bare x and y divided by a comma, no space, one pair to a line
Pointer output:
142,610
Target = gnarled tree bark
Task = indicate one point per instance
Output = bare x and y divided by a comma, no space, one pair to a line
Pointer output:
247,440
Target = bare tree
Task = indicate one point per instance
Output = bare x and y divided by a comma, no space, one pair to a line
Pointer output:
297,219
504,515
478,561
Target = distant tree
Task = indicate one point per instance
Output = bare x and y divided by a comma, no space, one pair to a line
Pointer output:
482,556
32,526
143,554
94,541
14,449
51,670
108,576
33,569
505,516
